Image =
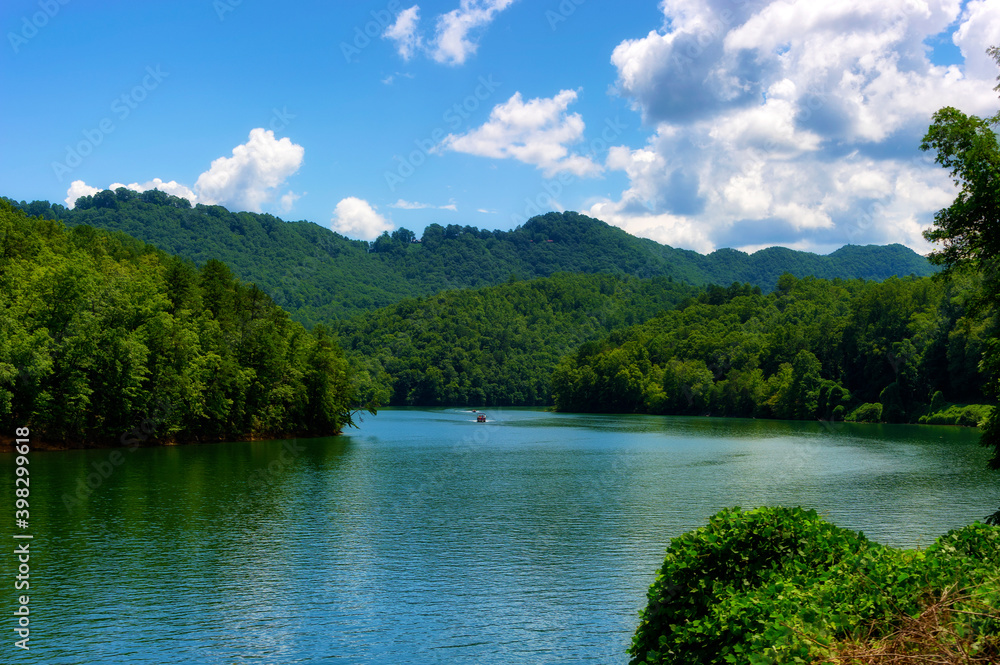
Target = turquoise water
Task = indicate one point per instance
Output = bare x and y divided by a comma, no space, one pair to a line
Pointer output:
424,537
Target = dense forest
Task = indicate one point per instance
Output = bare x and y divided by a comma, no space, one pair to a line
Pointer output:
496,345
904,350
106,339
897,351
319,276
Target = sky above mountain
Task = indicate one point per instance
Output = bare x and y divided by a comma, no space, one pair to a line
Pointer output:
699,124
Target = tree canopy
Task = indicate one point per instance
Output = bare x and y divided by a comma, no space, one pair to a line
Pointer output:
812,349
319,276
496,345
101,333
969,229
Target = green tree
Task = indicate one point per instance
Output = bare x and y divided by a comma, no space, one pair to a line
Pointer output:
969,229
98,330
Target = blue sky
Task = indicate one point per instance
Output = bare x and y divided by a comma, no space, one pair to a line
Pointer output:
717,123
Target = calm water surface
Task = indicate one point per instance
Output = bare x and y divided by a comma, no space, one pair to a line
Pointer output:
425,537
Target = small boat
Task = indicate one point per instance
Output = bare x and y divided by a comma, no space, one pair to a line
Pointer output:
481,418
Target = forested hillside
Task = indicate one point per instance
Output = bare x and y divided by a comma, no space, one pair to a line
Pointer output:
104,339
895,351
497,345
319,276
811,348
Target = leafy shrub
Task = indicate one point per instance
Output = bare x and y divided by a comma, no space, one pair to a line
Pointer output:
870,412
780,585
969,415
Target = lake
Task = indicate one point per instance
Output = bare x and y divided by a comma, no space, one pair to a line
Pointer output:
425,537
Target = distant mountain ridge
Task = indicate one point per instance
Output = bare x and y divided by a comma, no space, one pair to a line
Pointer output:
319,275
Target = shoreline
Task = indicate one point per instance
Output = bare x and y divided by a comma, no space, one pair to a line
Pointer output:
7,443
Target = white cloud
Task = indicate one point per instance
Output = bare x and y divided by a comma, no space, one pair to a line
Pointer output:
980,28
78,188
388,80
245,181
456,33
452,41
410,205
173,188
663,228
404,32
535,132
288,199
414,205
356,218
250,178
794,122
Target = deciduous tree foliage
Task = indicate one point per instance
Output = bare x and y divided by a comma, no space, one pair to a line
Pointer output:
496,345
99,332
320,276
812,349
969,229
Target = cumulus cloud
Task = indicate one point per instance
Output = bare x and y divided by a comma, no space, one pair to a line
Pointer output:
535,132
663,228
173,188
245,181
404,32
357,218
78,188
793,122
456,33
979,29
253,174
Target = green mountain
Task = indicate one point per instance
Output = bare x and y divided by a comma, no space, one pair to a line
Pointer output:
320,276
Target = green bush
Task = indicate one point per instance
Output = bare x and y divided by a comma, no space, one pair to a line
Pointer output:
968,415
937,402
780,585
866,413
